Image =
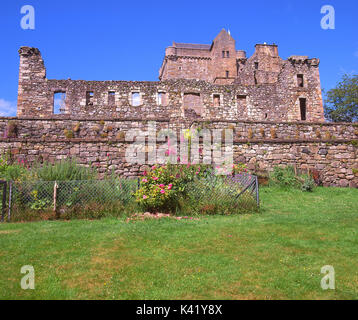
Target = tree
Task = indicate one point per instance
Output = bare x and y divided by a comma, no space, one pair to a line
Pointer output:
341,103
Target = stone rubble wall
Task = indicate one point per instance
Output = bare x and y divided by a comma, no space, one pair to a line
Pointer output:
274,97
261,145
111,128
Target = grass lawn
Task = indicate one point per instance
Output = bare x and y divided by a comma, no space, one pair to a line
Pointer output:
275,254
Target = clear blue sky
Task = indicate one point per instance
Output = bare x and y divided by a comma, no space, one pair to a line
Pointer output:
125,40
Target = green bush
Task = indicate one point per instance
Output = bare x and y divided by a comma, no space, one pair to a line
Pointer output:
63,171
286,177
191,189
308,183
12,172
217,195
162,187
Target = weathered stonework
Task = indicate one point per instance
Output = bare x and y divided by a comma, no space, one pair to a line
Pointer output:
197,82
260,99
333,161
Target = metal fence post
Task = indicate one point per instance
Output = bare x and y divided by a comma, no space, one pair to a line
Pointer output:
257,192
55,196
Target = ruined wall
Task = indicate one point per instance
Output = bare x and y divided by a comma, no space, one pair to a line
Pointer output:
288,80
262,94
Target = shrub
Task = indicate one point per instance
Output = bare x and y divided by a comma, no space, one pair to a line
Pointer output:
308,183
63,170
287,177
191,189
12,172
161,187
15,172
217,195
284,177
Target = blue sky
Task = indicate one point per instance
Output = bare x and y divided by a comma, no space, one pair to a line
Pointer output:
125,40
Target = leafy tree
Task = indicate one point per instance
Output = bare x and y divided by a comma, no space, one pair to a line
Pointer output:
341,103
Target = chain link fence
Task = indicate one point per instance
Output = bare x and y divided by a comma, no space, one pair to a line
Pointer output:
51,199
3,197
225,194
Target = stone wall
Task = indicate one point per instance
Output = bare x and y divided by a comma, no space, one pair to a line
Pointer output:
335,162
111,128
267,91
329,149
274,85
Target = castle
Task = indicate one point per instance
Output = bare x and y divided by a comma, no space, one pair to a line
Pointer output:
273,107
197,81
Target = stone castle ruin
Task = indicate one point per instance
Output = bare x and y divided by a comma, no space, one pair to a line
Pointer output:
197,81
273,106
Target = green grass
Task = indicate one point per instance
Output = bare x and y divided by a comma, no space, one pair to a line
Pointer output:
275,254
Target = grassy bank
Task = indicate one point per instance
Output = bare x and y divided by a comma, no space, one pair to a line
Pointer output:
275,254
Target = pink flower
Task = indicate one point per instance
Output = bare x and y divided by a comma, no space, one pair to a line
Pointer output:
197,172
162,186
178,159
170,186
154,167
155,178
144,173
162,191
145,197
144,180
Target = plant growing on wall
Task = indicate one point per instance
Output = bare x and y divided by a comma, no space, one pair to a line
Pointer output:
77,126
250,133
273,133
68,134
318,134
11,129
